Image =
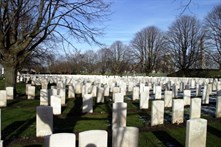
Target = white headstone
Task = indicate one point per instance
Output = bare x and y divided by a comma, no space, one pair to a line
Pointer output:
218,107
10,93
100,95
106,90
26,88
186,97
31,92
71,93
44,121
94,91
144,98
3,98
87,106
198,89
78,88
118,97
205,97
195,108
119,115
125,137
136,93
158,92
44,97
44,84
178,111
116,89
196,132
168,98
157,112
174,90
56,104
62,94
1,141
61,140
93,138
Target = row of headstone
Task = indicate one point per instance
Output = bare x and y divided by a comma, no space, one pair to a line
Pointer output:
157,111
121,135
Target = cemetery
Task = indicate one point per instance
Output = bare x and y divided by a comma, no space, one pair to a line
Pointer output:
66,82
111,111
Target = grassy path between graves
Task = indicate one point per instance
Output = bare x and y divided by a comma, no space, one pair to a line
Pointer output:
18,123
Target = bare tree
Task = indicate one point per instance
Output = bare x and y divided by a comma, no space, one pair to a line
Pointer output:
90,59
183,40
104,60
147,46
25,24
213,34
118,56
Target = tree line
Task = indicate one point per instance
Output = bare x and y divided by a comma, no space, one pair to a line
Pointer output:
189,43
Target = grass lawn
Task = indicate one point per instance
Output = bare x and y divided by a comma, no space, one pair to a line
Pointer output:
18,123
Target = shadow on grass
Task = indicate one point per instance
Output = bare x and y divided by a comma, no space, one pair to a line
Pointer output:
33,145
15,129
109,111
213,131
166,139
71,119
12,102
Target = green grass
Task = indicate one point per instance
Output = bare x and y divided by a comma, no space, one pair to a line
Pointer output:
18,123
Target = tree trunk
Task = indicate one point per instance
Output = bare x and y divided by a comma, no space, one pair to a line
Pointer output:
10,76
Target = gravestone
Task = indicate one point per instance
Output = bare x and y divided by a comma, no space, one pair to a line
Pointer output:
53,92
44,97
125,137
174,90
116,90
210,88
1,141
87,106
88,87
178,111
118,97
157,112
198,89
94,91
10,93
106,90
61,140
168,98
44,84
62,94
31,92
195,108
205,97
56,104
119,115
144,98
71,93
44,121
136,93
186,97
26,88
100,95
218,105
196,130
3,98
78,88
93,138
158,92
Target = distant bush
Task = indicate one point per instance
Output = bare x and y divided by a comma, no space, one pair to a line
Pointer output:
202,73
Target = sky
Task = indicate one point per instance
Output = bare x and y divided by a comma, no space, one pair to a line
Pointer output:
130,16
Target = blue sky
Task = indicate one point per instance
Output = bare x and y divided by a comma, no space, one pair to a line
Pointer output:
130,16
